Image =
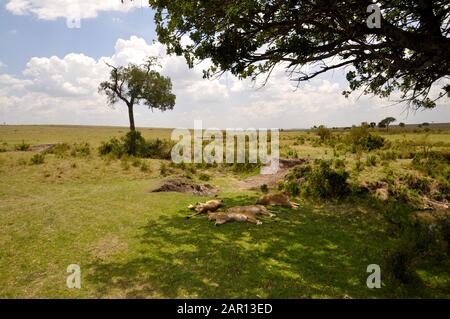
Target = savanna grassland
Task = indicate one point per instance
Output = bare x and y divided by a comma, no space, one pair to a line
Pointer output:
366,197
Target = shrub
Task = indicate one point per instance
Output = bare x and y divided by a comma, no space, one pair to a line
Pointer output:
320,180
113,147
82,149
135,145
245,167
293,188
204,177
360,137
323,133
59,149
292,154
37,159
22,147
264,189
157,149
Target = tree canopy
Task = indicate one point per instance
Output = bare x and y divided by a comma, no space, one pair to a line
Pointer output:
386,122
409,51
136,84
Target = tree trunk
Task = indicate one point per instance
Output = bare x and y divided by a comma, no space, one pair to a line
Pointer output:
131,116
133,137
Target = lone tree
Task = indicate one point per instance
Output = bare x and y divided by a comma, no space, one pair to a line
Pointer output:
408,50
386,122
136,84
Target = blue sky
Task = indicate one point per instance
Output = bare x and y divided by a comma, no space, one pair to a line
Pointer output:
24,37
49,74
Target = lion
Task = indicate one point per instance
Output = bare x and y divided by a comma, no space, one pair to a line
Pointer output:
240,214
202,208
279,199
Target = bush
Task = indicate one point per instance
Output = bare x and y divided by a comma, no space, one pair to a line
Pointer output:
37,159
22,147
360,137
323,133
113,147
134,144
204,177
59,149
319,180
245,167
157,149
264,189
292,188
82,149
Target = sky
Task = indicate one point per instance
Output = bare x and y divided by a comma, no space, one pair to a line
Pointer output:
53,54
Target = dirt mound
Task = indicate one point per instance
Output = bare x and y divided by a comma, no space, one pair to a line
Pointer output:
181,186
290,163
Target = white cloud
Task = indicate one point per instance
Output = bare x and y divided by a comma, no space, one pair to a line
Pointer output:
63,90
53,9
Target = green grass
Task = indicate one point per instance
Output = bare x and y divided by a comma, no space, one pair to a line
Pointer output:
133,244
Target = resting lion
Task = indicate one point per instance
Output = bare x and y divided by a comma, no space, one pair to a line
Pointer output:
279,199
240,214
202,208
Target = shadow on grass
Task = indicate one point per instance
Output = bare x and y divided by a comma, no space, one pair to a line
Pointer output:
305,253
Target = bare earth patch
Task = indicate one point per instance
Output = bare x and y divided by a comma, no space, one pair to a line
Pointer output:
42,147
255,182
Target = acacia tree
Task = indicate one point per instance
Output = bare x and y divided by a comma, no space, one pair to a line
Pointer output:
386,122
137,84
409,51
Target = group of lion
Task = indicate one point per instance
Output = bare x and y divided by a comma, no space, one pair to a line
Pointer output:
242,213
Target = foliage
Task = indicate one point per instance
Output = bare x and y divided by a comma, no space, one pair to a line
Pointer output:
82,149
362,138
22,147
319,180
386,122
133,143
323,133
204,177
408,51
135,85
37,159
264,189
